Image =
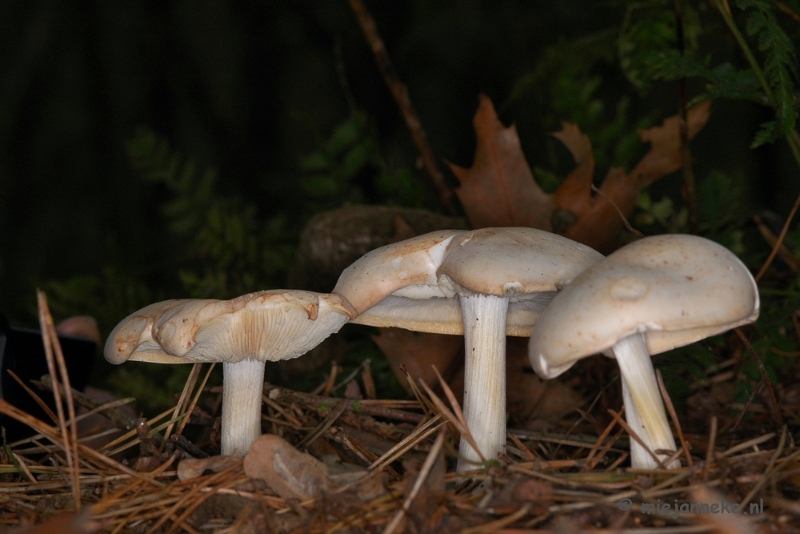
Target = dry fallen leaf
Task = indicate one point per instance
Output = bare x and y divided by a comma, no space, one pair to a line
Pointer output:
288,472
665,153
530,398
418,352
500,190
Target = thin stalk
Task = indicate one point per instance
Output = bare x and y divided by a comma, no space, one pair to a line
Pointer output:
484,377
242,384
644,409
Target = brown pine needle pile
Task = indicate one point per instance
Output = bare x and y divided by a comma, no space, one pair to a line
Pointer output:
356,464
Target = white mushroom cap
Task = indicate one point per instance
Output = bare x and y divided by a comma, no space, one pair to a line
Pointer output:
242,333
265,326
512,262
676,289
416,291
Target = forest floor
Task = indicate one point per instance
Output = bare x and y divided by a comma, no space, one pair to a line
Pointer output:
377,465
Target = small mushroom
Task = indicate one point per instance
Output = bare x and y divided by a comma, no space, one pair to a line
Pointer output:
485,284
242,333
648,297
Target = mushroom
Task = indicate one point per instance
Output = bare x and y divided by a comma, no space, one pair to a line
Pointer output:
648,297
243,333
485,284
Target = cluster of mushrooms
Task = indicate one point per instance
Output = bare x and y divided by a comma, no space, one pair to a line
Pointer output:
649,296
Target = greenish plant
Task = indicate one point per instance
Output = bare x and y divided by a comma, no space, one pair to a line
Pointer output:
651,52
229,250
569,79
349,167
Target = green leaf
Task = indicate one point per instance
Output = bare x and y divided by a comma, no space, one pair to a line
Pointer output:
347,133
720,200
780,69
648,32
768,132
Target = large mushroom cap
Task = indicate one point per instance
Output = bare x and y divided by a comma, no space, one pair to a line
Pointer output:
512,261
264,326
413,282
676,289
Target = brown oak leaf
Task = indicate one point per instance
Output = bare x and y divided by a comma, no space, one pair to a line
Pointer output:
500,190
665,155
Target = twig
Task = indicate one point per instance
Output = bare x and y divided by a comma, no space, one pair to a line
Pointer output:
346,380
400,93
621,422
54,436
423,475
418,435
183,399
743,412
54,355
786,255
369,383
118,418
786,9
746,445
132,432
456,417
710,449
686,154
324,425
781,237
36,398
584,415
674,416
195,400
767,471
180,441
628,226
775,408
590,461
366,407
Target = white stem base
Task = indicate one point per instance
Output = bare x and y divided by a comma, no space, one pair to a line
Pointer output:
242,387
644,409
484,377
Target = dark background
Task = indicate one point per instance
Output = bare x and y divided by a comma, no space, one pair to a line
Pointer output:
249,88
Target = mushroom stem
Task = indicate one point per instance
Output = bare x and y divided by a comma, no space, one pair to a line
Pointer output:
644,407
484,377
242,388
